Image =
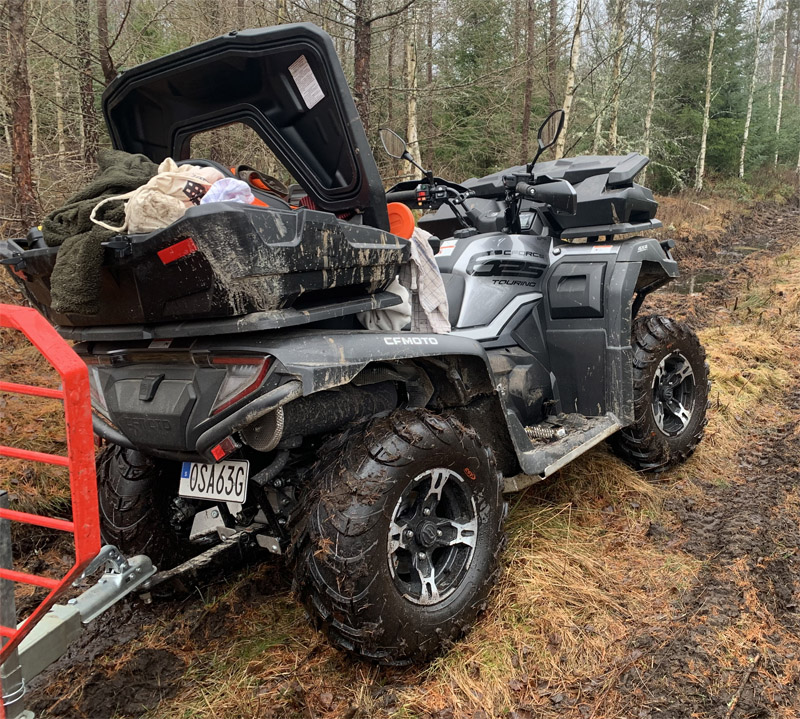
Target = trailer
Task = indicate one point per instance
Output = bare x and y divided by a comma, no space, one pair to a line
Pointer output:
28,647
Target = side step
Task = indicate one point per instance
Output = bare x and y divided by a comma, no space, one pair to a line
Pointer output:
563,438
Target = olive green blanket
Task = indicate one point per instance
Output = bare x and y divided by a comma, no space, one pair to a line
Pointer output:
75,281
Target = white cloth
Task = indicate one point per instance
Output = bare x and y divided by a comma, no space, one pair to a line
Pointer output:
228,189
429,309
391,319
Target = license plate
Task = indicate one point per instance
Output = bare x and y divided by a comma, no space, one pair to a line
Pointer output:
223,481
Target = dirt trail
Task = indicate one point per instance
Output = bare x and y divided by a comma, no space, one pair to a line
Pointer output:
746,600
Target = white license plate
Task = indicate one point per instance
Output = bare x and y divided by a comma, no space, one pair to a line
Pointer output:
223,481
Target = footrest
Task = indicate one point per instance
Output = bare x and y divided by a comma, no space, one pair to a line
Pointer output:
553,445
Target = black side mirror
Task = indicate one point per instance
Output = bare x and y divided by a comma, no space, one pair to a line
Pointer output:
548,133
394,145
550,129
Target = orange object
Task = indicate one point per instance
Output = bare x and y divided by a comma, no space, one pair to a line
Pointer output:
259,203
401,220
85,523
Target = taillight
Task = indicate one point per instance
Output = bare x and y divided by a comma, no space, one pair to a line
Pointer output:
96,386
243,375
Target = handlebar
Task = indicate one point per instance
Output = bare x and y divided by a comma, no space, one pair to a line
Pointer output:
402,196
523,188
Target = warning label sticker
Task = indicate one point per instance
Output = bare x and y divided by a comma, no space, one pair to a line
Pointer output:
306,82
446,248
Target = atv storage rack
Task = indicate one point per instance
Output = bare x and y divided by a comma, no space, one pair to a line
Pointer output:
26,649
223,260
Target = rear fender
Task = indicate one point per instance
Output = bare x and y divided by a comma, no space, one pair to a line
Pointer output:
444,373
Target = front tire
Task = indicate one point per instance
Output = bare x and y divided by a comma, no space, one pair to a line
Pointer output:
670,382
399,539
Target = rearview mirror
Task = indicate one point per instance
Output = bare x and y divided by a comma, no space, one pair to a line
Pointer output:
550,129
394,145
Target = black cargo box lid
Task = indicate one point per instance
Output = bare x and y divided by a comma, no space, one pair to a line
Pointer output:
285,82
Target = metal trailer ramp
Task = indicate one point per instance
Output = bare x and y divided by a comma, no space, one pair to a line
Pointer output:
28,647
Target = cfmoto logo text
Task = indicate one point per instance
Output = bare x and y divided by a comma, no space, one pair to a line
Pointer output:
411,340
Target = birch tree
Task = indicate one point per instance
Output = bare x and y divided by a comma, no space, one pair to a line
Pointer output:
701,160
752,88
620,11
529,70
651,100
552,52
569,92
782,80
412,131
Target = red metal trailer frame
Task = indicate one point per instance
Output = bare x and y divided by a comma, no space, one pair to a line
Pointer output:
85,523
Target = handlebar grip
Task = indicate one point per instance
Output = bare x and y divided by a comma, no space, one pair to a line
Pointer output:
523,188
402,196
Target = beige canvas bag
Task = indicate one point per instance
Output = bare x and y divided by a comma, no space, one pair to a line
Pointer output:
163,199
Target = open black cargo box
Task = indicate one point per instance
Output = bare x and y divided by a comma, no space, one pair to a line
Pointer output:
223,260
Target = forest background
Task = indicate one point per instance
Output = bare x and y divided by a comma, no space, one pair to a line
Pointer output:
710,90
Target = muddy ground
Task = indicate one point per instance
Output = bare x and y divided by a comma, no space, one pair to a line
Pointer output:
727,645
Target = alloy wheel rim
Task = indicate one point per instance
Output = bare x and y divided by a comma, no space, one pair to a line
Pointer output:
432,536
673,394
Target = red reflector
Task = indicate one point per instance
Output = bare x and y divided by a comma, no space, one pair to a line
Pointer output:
218,452
178,250
224,448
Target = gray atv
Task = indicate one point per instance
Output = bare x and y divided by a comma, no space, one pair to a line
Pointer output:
240,400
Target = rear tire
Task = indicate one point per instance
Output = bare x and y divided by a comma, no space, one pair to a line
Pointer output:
670,381
134,492
399,537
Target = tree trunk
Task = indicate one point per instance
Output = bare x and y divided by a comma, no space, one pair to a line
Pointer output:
390,78
427,134
597,140
412,133
701,159
651,100
525,154
361,59
772,63
552,54
34,126
241,21
59,98
21,160
752,88
282,12
569,92
782,80
620,9
85,85
106,63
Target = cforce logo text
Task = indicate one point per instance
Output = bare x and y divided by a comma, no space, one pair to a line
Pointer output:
411,340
